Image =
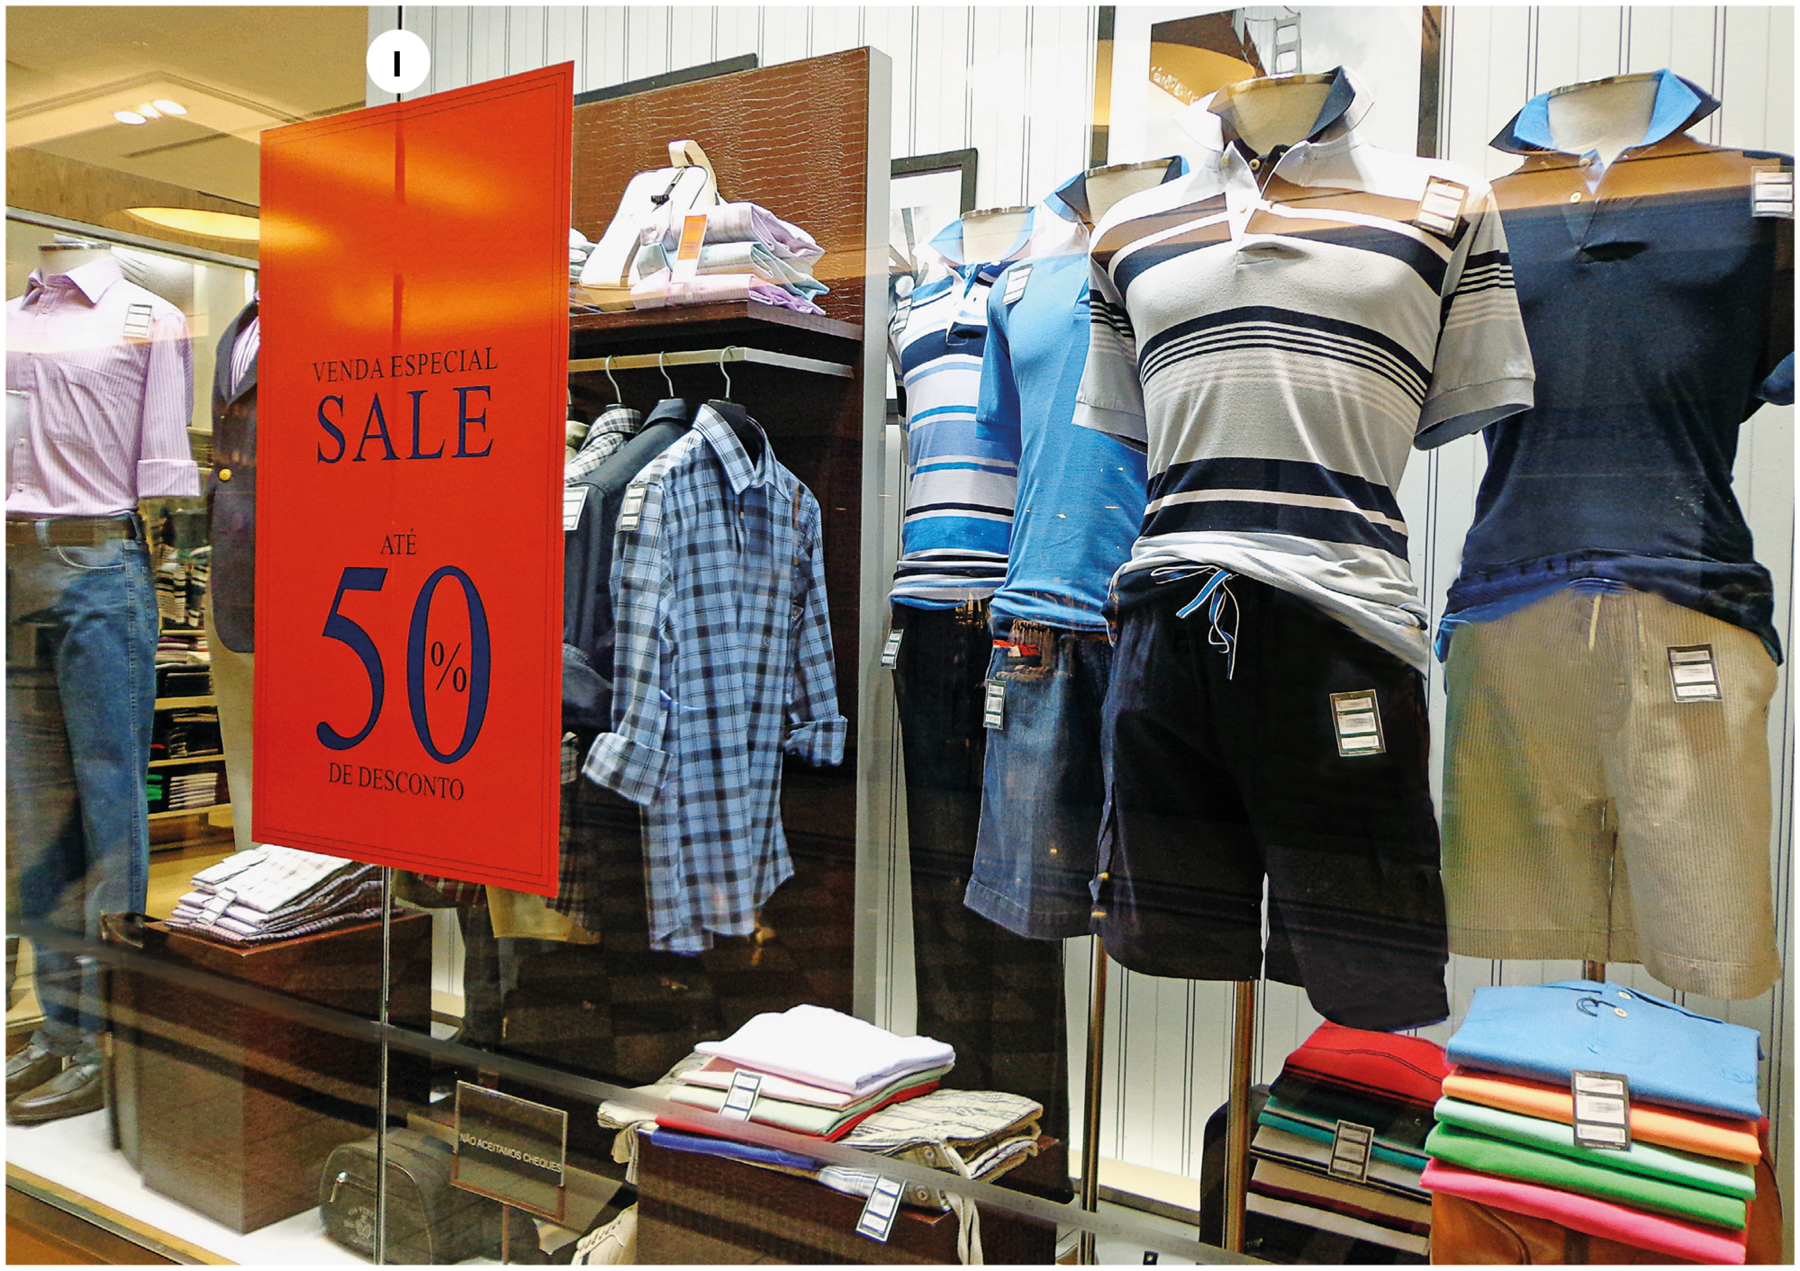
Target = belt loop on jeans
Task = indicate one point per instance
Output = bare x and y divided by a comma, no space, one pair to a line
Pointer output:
1213,595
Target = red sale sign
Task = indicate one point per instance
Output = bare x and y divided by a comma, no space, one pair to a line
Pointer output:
409,543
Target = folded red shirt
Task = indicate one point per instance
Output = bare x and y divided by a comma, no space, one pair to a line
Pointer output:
1382,1065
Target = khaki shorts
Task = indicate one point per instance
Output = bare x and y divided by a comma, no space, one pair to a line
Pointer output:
1590,813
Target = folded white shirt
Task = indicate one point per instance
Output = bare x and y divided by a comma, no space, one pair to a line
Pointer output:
821,1047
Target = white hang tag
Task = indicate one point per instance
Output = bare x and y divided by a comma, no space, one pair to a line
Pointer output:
1350,1151
993,707
890,652
633,508
1602,1109
879,1211
1772,193
742,1095
137,322
1016,278
1693,673
1357,719
1440,210
574,499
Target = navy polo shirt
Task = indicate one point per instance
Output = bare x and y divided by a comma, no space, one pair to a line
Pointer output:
1657,294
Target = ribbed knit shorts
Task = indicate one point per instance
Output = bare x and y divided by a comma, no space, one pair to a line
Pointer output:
1590,812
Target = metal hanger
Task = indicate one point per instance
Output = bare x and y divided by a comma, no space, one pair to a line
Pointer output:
665,374
725,373
618,397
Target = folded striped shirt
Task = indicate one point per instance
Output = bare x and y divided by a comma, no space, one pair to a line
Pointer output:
1302,1152
1284,1182
1338,1224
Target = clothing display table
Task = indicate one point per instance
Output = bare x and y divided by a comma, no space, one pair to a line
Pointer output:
707,1210
231,1110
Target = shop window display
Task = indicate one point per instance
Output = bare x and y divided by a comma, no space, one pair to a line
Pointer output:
1411,799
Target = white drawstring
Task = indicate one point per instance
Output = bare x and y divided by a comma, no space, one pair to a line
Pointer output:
1217,593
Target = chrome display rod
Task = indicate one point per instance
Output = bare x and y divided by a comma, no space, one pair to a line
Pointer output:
381,1080
1090,1127
709,357
1237,1123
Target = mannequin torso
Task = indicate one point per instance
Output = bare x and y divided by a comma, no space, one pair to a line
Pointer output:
1606,116
1107,186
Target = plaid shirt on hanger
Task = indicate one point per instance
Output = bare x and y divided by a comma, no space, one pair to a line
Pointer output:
723,662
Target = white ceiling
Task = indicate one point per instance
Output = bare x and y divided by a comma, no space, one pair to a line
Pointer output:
237,69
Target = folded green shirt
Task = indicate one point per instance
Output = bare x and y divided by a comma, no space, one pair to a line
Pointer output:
1728,1178
1510,1160
1276,1116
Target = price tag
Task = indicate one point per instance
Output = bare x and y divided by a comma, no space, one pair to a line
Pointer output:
632,510
1693,673
879,1211
1016,278
742,1095
574,499
137,322
687,256
993,708
1350,1150
1358,721
890,652
1602,1109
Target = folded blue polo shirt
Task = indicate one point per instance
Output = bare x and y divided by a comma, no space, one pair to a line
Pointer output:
1658,295
1670,1054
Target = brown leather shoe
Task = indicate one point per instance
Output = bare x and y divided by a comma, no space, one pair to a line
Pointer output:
75,1090
28,1068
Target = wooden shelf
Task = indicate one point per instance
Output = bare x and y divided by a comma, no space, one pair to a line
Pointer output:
735,315
175,703
175,812
210,757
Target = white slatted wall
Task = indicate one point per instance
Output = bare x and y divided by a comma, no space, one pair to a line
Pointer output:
1016,83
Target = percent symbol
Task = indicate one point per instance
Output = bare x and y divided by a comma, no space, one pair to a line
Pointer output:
459,682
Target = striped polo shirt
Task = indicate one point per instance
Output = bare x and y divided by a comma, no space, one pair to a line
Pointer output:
961,478
1279,331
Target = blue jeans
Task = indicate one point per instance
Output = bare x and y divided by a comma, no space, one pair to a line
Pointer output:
1044,788
80,701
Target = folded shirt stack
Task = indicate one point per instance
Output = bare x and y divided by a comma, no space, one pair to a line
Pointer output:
819,1071
1504,1133
271,893
748,253
1299,1209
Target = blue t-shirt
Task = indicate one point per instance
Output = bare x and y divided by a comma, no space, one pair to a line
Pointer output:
1658,297
1081,492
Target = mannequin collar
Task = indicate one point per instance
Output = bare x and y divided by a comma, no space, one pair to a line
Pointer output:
1344,107
1070,199
1679,105
91,280
948,243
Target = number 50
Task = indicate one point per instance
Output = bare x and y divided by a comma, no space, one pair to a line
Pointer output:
346,631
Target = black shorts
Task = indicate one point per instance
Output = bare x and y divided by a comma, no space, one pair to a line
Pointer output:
1217,781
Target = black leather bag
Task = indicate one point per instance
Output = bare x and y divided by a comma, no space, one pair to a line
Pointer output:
428,1220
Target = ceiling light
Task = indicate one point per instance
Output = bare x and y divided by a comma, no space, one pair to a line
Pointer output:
168,107
148,111
129,117
188,220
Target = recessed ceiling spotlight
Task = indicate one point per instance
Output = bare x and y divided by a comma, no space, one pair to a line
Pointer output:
148,111
129,117
168,107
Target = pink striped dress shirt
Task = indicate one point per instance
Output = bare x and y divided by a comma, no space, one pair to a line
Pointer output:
108,378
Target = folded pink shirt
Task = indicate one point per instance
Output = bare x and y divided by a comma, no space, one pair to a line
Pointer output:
1658,1234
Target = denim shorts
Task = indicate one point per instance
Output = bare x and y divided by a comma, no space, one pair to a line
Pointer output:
1271,746
1043,789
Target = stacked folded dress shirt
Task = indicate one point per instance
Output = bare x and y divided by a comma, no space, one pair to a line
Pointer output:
818,1072
748,253
1505,1139
1310,1200
271,893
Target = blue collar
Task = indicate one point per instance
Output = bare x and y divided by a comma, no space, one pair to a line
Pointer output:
1680,104
1070,201
948,243
740,470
